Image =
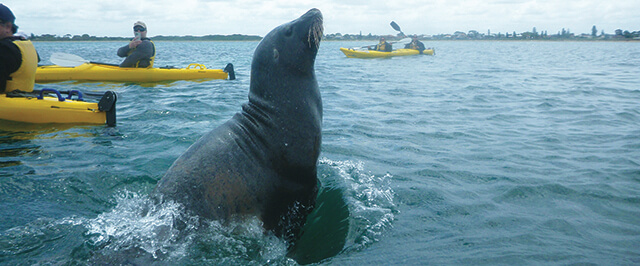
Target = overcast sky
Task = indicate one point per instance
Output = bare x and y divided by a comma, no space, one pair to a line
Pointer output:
258,17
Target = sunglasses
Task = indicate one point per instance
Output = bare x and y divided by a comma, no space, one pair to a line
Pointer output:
139,29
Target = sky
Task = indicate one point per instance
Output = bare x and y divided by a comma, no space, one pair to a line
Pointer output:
115,18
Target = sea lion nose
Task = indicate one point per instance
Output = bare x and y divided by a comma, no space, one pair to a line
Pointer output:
314,11
315,28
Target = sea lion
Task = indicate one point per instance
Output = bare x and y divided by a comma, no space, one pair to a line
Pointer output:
263,160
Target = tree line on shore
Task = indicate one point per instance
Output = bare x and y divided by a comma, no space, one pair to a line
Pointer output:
564,34
87,37
458,35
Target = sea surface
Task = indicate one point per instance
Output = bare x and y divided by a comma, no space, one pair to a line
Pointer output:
486,153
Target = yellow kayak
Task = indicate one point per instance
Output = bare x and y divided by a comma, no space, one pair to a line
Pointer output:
38,107
105,72
356,53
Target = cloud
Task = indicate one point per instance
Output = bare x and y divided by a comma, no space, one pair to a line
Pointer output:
204,17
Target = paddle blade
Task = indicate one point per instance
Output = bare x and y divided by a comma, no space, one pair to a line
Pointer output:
66,60
404,41
395,26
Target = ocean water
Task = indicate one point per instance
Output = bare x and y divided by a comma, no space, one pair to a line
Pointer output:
486,153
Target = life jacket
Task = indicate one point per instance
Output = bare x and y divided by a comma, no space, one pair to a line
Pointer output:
24,78
382,46
153,57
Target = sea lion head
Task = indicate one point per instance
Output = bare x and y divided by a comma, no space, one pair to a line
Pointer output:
285,105
288,50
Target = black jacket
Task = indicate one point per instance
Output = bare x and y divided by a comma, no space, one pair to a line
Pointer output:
418,45
10,60
143,53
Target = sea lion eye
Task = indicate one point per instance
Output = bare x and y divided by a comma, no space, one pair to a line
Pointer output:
276,54
288,32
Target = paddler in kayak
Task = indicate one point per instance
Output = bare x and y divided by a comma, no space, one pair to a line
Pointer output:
383,46
141,51
18,56
415,44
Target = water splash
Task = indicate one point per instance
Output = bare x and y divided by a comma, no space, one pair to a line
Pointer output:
138,230
354,209
241,241
370,198
138,222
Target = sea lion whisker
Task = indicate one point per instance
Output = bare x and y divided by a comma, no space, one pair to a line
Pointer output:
315,33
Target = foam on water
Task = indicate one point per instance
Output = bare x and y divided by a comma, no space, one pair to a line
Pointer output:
370,199
137,222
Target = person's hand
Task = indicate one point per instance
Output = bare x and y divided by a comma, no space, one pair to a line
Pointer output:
134,43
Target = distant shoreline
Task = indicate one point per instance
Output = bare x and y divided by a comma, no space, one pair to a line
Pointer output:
339,37
88,38
364,40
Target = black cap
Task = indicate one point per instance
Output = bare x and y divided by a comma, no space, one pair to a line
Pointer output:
6,15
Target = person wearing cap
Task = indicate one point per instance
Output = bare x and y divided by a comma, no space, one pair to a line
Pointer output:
415,44
18,56
141,51
383,46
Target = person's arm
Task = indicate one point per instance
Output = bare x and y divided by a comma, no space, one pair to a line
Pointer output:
143,50
10,60
123,51
4,73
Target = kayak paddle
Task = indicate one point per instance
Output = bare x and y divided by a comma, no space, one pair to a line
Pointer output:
71,60
406,38
395,26
403,41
